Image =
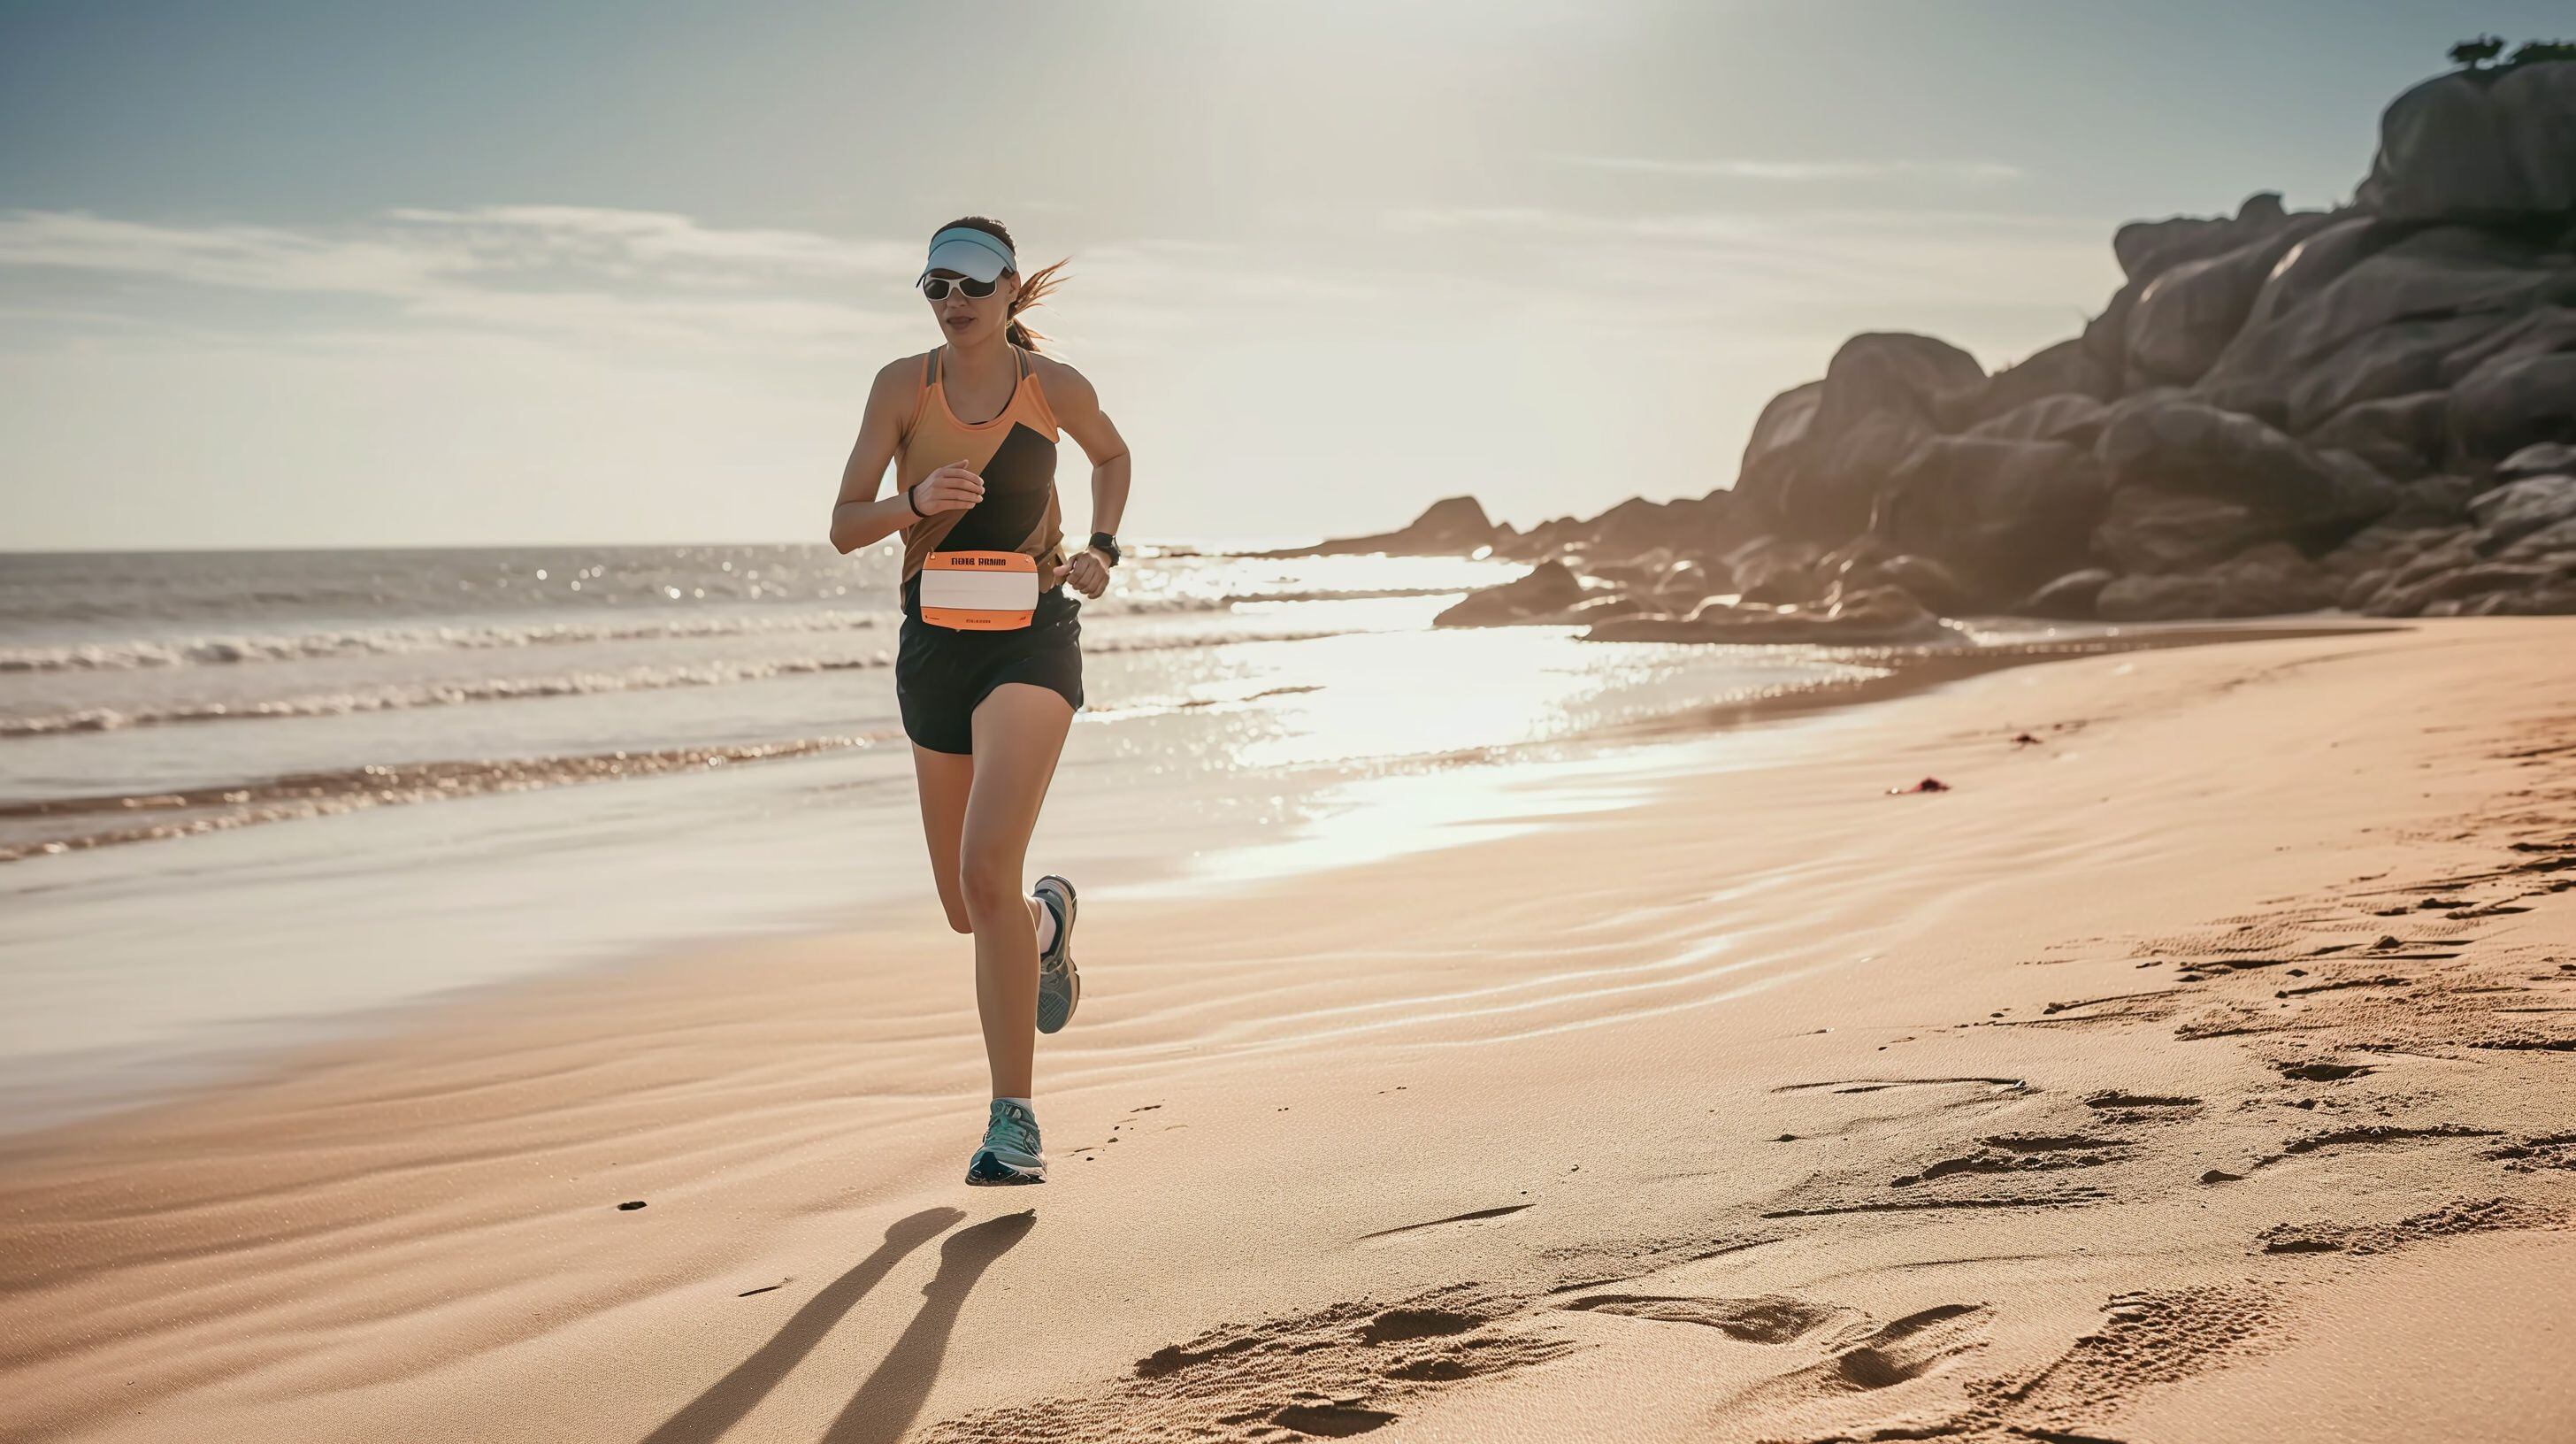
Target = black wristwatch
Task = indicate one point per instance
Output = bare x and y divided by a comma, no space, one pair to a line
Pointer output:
1103,542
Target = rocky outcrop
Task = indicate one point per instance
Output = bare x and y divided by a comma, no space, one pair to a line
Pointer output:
2005,515
2186,316
2186,447
2271,578
2064,371
2519,509
1549,588
1821,453
2523,394
2371,408
2476,145
2409,317
2070,418
2396,436
1452,526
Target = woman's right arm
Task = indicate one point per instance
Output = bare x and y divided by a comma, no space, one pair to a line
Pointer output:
859,517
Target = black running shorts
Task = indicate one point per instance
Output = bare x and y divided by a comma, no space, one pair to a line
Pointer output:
941,673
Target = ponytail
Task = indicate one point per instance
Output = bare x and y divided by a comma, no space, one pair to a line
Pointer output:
1033,292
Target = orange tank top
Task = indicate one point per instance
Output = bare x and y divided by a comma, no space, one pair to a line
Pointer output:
1015,454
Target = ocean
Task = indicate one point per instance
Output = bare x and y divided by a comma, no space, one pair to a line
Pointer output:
248,798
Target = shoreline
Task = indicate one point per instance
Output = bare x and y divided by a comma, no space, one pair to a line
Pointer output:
1334,820
178,813
1553,1103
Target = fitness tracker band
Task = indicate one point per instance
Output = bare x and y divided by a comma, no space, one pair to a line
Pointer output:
908,501
1106,544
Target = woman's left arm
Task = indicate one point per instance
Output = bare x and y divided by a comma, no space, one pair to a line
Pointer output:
1077,410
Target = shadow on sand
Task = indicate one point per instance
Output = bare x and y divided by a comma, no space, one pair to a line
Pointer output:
729,1398
891,1398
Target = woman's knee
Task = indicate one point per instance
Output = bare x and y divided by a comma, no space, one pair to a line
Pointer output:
990,884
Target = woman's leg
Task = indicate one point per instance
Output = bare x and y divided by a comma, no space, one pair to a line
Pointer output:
1019,731
945,778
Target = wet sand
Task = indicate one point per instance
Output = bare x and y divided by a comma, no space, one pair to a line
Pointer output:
2177,1070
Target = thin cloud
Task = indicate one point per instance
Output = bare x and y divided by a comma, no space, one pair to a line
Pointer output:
580,276
1775,270
1971,172
587,277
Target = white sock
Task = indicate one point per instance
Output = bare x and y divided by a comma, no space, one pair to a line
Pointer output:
1046,925
1023,1102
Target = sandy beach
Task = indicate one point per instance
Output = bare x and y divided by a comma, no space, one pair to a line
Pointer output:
2195,1067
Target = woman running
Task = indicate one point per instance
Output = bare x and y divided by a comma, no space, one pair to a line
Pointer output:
988,673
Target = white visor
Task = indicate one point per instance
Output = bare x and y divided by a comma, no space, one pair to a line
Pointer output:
974,254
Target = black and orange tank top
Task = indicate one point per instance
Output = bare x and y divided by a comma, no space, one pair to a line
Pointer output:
1014,453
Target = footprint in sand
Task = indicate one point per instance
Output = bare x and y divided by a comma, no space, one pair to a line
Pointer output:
1768,1319
1331,1421
1906,1349
2024,1153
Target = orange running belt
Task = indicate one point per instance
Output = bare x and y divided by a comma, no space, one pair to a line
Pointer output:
974,591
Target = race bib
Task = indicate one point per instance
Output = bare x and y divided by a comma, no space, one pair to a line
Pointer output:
979,591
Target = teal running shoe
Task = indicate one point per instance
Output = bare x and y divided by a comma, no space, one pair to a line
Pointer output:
1009,1153
1059,982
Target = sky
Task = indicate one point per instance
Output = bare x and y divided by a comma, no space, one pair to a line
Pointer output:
340,274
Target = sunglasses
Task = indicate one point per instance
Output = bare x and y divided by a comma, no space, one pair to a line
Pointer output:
936,287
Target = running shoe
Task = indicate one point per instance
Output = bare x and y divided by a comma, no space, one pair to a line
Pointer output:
1009,1153
1059,982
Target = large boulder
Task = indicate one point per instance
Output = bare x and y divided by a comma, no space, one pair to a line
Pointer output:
2148,249
2384,327
2146,531
2186,316
2402,437
2400,359
1549,588
2065,370
2319,260
2478,145
1773,451
2005,515
2182,446
1775,569
1929,581
2522,395
2263,581
2070,418
2430,501
2518,508
1819,457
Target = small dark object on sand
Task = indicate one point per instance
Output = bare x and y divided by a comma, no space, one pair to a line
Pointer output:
630,1207
1928,784
2024,739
